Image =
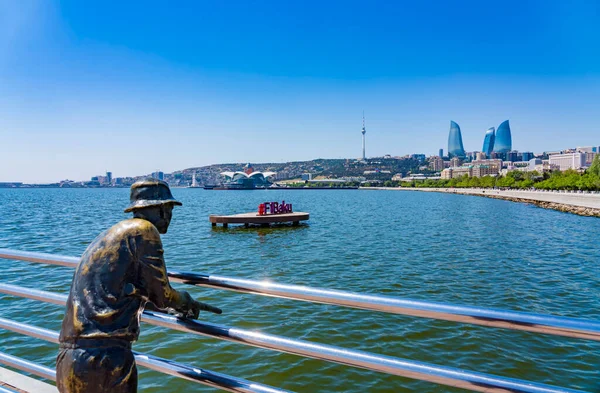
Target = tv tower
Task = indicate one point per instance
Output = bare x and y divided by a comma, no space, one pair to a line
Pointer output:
364,131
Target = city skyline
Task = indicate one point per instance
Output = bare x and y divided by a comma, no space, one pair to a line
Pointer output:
83,90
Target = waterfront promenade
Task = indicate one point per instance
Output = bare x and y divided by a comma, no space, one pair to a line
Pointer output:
585,203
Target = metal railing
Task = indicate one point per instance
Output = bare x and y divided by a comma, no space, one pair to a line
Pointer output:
206,377
27,366
537,323
475,381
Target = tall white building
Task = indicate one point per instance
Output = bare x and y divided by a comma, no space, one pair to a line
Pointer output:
568,160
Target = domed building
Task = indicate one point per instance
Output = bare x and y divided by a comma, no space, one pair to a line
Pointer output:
249,179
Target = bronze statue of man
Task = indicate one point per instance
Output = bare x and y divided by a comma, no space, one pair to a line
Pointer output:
121,270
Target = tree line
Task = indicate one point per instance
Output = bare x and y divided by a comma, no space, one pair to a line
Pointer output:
556,180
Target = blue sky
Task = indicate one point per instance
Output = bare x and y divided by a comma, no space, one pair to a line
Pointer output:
133,87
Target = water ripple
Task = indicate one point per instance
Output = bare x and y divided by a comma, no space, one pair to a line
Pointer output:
436,247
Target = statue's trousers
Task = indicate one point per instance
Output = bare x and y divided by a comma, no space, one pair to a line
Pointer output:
96,366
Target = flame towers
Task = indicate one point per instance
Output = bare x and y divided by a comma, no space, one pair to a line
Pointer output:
488,142
455,143
495,141
503,143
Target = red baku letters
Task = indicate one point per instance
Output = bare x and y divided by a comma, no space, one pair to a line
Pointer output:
274,208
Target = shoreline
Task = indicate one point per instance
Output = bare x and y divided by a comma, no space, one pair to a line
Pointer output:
583,204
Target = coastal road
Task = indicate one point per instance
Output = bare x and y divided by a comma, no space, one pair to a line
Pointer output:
587,200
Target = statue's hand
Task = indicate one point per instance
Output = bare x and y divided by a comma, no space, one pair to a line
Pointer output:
208,307
193,312
188,306
191,308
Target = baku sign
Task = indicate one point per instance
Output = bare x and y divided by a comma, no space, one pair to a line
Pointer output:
274,208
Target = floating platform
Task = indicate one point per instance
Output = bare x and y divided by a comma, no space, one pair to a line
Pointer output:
254,218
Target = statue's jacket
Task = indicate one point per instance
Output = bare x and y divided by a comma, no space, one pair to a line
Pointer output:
120,271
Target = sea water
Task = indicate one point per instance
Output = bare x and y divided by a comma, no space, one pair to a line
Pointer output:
427,246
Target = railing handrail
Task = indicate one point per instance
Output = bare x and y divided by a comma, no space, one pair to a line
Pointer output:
490,317
190,373
27,366
381,363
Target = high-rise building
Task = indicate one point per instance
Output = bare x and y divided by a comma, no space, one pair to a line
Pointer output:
488,141
455,143
109,177
471,155
436,163
512,156
503,140
364,131
527,155
441,154
158,175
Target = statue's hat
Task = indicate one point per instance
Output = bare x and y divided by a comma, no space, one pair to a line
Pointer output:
150,192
